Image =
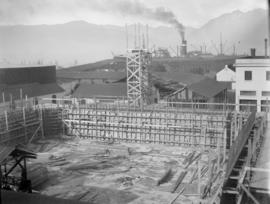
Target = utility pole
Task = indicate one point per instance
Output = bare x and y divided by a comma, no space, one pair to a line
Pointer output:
221,45
135,36
0,184
147,37
269,23
139,35
126,36
143,41
234,49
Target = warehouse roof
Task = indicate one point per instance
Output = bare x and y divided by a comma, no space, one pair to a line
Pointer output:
185,78
10,66
31,90
209,87
91,90
110,75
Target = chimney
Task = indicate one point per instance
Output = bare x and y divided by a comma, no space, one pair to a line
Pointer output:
265,47
183,48
252,52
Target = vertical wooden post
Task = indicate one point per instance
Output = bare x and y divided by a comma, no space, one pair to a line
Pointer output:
24,126
62,120
11,103
224,144
41,122
96,126
21,97
80,125
249,156
235,125
6,118
209,166
218,153
231,133
3,95
26,104
1,184
199,176
204,136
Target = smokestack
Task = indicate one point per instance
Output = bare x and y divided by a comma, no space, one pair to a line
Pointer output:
183,48
269,21
265,47
252,52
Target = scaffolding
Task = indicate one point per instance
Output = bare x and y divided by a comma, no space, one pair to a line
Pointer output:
138,83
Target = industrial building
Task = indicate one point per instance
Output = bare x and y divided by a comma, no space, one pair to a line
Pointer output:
108,92
20,82
92,77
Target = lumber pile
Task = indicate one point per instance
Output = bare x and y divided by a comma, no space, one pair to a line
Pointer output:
57,161
109,162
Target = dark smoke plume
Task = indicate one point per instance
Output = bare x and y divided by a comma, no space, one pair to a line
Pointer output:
137,8
16,11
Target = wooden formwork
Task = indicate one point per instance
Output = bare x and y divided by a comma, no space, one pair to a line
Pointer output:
52,122
20,126
167,126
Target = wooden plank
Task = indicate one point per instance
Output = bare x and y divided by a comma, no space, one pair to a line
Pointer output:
249,194
179,181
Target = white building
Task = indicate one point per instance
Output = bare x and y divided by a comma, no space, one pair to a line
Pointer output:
226,75
252,82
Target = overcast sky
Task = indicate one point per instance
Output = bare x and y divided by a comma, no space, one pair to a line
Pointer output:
118,12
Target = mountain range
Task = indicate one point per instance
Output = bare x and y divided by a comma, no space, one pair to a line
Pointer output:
80,42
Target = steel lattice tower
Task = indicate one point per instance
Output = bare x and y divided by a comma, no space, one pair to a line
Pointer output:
138,83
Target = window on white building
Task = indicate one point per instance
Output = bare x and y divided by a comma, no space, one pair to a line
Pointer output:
265,93
268,75
248,93
248,75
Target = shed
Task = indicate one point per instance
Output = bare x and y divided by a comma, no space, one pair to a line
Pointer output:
226,75
209,90
101,90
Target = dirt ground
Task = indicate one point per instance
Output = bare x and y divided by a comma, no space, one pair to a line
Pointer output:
114,173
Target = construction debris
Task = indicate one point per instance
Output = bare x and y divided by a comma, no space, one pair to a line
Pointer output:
107,174
166,177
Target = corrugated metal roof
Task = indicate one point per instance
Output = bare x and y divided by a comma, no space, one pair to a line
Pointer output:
31,90
91,90
209,87
184,78
91,75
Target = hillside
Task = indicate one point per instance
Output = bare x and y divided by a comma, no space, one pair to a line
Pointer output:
81,42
